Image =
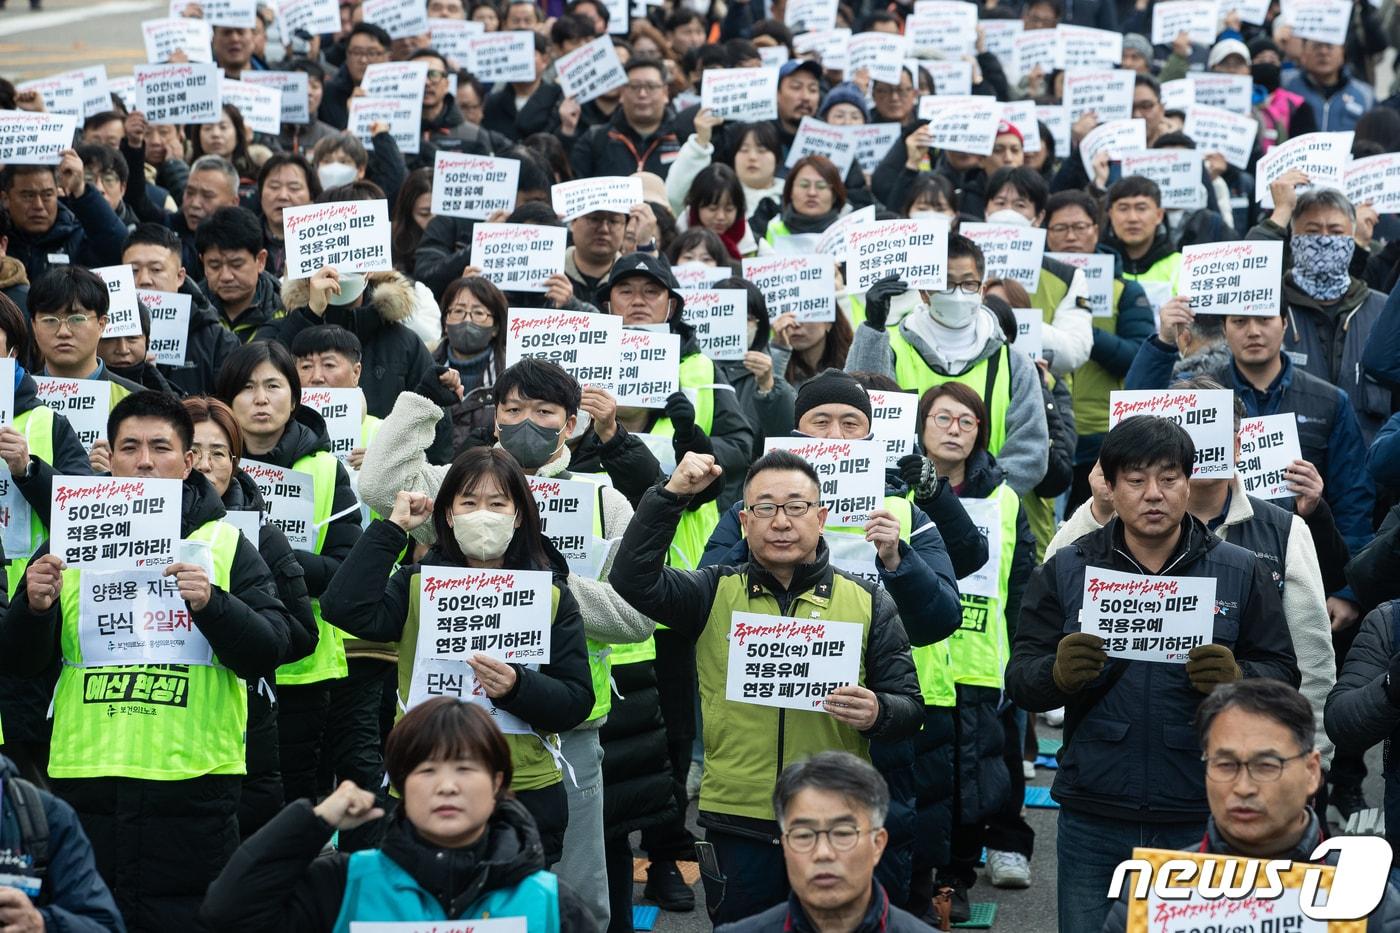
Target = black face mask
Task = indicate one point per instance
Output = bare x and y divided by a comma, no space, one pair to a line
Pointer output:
1266,75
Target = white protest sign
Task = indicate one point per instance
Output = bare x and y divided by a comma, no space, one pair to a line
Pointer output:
403,117
1216,130
872,141
494,925
1195,912
1323,157
1000,35
125,90
1098,278
35,138
1251,11
239,14
290,499
1268,446
1056,120
315,17
648,369
569,518
7,391
343,412
893,417
451,37
962,125
182,93
84,402
261,107
1374,180
945,28
817,137
1177,172
1237,277
740,94
1234,93
81,92
773,56
1200,18
698,274
111,523
985,581
1085,47
914,250
1144,618
1319,20
1208,415
402,19
473,186
829,46
122,317
1010,252
295,99
1108,93
1036,48
170,325
881,54
16,517
615,194
590,71
851,472
807,15
852,553
720,317
164,37
585,345
790,663
352,236
618,24
1179,94
502,56
801,285
137,617
949,77
1030,332
832,241
1021,114
397,80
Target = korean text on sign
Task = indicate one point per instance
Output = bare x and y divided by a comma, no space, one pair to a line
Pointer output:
170,325
111,523
720,319
790,663
1268,446
34,138
741,94
137,617
649,368
568,517
892,422
1144,618
803,286
586,345
290,499
84,402
1244,278
851,473
518,257
914,250
342,410
1207,415
473,186
352,236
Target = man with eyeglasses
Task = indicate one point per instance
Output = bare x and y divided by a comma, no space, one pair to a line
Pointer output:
599,237
788,575
831,811
640,136
444,126
366,45
58,218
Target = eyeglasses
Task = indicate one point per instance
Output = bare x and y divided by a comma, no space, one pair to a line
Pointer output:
644,87
944,420
367,54
843,838
967,288
1264,768
767,510
812,186
53,321
46,194
475,315
436,75
1078,229
599,219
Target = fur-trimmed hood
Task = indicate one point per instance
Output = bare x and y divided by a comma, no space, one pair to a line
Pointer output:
389,293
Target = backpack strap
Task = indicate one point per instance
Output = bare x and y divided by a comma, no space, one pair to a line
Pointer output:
33,823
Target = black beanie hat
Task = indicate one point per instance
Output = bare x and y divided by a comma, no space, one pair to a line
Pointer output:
828,387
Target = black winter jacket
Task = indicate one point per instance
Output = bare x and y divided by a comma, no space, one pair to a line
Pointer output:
539,115
789,917
259,321
86,230
208,345
615,148
638,791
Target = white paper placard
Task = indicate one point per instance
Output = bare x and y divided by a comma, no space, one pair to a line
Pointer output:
1375,180
1208,415
773,56
962,125
648,369
790,663
84,402
568,517
1177,172
851,472
502,56
7,391
1323,157
16,517
114,523
830,47
817,137
164,37
852,553
182,93
720,317
352,236
122,317
128,617
1000,35
1251,11
1030,332
1085,47
985,581
81,92
1109,93
698,274
893,417
881,54
343,412
125,89
1268,446
617,194
1143,618
316,17
1056,120
1234,93
1098,278
397,80
295,93
806,15
518,257
473,186
872,141
1319,20
504,614
290,499
451,37
35,138
946,28
1021,114
261,107
1010,252
804,286
1216,130
1179,94
949,77
404,119
585,345
740,94
170,325
1200,18
400,18
590,71
1242,277
1043,48
914,250
832,241
239,14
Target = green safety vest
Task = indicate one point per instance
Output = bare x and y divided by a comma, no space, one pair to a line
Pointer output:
1092,383
746,745
37,427
990,379
1166,269
149,722
327,662
358,647
980,648
776,231
599,653
533,764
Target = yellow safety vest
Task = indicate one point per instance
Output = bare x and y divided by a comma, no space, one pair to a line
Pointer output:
599,654
990,379
980,648
327,662
37,427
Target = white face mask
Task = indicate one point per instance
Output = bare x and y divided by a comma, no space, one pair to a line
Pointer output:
955,310
483,534
335,174
1009,217
923,212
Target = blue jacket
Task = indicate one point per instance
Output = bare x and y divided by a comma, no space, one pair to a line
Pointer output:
1383,459
86,230
1337,109
74,898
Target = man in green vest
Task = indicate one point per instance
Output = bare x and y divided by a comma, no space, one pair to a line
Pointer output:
789,578
1138,235
150,755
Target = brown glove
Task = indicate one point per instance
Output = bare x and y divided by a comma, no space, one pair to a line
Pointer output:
1078,659
1210,665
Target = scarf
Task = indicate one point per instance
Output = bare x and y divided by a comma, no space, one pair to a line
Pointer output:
730,237
1321,264
801,223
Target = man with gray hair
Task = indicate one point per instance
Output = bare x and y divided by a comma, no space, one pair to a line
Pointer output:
213,183
831,811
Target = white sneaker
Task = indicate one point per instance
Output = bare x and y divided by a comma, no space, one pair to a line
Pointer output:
692,781
1028,769
1008,869
1055,717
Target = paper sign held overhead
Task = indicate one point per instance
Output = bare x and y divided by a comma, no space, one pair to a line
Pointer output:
1098,278
1208,415
590,71
1323,157
261,107
343,412
399,80
741,94
80,93
1085,47
893,417
1234,93
170,325
568,517
122,317
186,93
720,318
518,257
502,56
1216,130
292,85
451,37
401,20
616,194
239,14
881,54
1375,181
289,497
1010,252
852,478
164,37
1030,332
828,46
1244,277
404,119
1176,172
806,15
914,250
817,137
1113,137
352,236
1199,18
1108,93
35,138
1319,20
314,17
966,125
648,369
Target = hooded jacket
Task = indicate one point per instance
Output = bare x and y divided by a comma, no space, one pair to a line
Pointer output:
209,343
259,321
279,880
14,282
85,230
539,115
615,148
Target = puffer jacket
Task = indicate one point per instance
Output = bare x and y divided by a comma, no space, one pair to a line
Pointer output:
86,230
14,282
260,320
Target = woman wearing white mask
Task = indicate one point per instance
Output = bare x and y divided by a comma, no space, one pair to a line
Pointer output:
484,517
342,158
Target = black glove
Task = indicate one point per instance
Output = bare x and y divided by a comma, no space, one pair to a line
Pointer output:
919,475
434,391
877,299
682,415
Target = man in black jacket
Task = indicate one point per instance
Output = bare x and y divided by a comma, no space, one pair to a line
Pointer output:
366,45
58,218
444,126
539,113
639,137
1126,778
